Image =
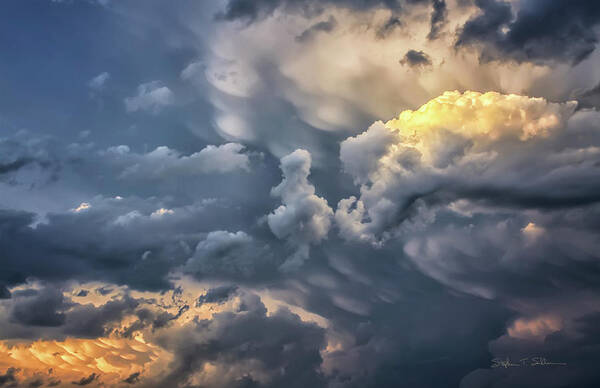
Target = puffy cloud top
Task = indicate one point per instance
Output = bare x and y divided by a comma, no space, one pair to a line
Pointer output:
458,145
303,218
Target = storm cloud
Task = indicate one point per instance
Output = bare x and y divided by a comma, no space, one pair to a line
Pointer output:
283,193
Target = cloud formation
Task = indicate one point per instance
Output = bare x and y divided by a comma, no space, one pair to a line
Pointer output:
460,146
180,233
163,161
151,97
304,218
540,31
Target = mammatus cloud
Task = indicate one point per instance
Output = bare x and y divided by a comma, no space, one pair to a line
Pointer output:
304,218
152,97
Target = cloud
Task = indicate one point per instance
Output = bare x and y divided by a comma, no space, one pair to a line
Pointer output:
133,378
86,380
227,254
414,58
461,146
76,242
540,31
98,82
44,309
304,218
247,347
5,168
217,295
164,162
8,377
310,32
438,18
478,211
253,10
151,97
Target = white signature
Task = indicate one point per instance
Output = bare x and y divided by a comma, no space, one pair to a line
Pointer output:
524,362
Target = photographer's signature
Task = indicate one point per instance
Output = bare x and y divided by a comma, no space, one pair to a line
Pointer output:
524,362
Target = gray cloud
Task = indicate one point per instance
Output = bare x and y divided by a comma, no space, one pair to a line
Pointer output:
151,96
304,218
248,347
541,31
163,161
491,234
438,18
86,380
8,377
229,254
414,58
217,295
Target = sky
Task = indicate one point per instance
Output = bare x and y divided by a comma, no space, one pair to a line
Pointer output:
300,193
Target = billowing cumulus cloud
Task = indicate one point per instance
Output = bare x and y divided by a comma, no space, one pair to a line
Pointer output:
468,146
304,218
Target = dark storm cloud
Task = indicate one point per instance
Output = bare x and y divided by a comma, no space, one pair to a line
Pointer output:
250,11
133,378
36,383
438,18
86,380
17,155
232,255
400,320
217,295
82,293
279,346
49,314
45,309
148,318
14,165
390,25
4,292
577,347
9,377
541,31
414,58
589,98
100,243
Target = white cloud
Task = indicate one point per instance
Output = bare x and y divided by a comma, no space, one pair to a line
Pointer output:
151,97
97,83
164,161
304,218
